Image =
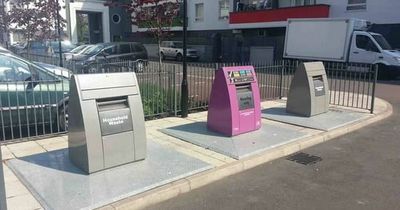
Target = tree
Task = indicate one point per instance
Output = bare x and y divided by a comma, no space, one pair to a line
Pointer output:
35,19
156,16
4,23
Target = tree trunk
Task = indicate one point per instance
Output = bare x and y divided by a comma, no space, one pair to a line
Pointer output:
28,49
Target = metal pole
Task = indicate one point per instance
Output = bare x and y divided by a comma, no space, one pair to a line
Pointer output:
184,85
59,34
281,80
3,204
376,70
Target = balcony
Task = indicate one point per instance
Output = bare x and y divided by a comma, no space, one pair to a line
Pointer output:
276,17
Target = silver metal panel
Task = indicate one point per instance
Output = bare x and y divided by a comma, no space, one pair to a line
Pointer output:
332,119
115,121
304,97
238,147
78,151
104,81
3,203
118,149
93,138
58,184
107,93
135,103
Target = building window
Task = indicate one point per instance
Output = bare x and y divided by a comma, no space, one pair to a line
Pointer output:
309,2
357,5
303,2
223,9
199,12
262,32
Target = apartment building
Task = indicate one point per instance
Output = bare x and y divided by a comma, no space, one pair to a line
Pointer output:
239,30
91,21
234,30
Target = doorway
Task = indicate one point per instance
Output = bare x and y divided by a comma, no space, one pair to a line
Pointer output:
89,27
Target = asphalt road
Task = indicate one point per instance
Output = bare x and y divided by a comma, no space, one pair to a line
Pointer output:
360,170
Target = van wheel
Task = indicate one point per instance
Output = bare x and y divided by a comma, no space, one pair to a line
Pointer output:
63,117
383,72
162,56
179,57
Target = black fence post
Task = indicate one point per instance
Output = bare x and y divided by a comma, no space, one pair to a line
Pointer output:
281,80
376,69
3,204
174,89
184,85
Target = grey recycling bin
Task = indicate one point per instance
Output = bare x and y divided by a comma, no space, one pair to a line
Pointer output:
309,90
3,203
106,121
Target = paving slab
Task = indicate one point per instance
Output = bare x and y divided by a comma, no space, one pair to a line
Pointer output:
334,118
57,184
238,147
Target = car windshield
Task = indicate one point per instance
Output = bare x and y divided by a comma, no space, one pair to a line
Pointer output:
382,42
178,44
93,50
78,49
65,45
13,69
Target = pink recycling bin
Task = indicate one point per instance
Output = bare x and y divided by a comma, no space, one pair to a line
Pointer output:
234,106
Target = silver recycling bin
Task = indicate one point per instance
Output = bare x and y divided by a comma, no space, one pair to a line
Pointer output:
106,121
309,90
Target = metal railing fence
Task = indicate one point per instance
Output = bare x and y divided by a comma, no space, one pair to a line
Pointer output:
38,106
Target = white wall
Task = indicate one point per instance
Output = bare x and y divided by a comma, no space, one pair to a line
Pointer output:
89,7
378,11
211,16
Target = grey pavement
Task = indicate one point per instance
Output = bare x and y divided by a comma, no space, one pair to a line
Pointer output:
360,170
237,147
58,184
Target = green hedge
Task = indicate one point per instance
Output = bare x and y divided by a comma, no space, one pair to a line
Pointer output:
156,100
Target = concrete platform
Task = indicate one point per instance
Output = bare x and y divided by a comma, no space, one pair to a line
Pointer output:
328,121
57,184
238,147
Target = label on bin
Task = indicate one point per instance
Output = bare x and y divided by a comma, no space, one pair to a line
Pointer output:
115,121
319,87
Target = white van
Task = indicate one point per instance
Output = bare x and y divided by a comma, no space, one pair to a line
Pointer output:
341,40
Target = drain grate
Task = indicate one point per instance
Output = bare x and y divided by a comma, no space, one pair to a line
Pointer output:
304,158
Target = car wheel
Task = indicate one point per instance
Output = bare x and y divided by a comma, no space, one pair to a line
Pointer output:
179,57
63,117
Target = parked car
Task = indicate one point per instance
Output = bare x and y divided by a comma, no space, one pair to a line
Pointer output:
54,49
46,48
76,51
2,49
16,47
174,50
32,94
107,55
